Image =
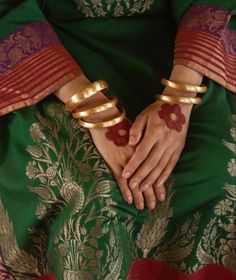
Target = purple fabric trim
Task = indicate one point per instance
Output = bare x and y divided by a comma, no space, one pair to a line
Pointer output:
206,18
25,41
229,41
213,20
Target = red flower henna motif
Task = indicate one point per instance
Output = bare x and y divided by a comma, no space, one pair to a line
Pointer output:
172,116
119,133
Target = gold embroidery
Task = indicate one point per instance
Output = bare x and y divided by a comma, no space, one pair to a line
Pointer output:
21,44
99,8
22,265
154,228
181,244
92,220
151,237
221,230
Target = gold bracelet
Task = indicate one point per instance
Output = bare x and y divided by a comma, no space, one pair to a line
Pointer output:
182,86
106,123
180,99
88,91
100,108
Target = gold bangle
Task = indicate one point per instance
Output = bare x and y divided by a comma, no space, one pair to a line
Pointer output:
180,99
88,91
100,108
106,123
182,86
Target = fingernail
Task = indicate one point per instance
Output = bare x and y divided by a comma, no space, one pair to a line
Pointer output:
144,187
134,185
126,174
162,197
131,140
140,206
152,205
129,199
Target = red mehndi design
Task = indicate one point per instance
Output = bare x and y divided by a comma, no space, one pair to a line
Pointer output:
172,116
119,133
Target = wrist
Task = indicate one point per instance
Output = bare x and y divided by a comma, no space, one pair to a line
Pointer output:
79,83
186,75
103,116
65,92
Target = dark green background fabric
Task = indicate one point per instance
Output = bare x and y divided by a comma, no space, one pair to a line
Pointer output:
132,54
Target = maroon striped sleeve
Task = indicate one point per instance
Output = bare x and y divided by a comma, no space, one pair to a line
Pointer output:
206,44
33,64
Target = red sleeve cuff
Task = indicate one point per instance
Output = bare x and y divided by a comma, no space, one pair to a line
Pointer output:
205,44
33,64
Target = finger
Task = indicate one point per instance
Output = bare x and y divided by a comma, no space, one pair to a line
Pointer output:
161,164
159,185
150,198
138,199
140,154
160,191
168,169
137,130
124,189
146,168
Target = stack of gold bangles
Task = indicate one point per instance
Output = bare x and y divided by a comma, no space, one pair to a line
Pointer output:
181,86
72,105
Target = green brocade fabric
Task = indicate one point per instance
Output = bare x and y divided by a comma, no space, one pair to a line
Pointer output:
60,208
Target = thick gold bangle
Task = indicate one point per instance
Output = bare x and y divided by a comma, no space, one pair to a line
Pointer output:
100,108
180,99
88,91
182,86
106,123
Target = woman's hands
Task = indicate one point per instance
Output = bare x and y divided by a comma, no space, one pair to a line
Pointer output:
112,144
159,133
155,142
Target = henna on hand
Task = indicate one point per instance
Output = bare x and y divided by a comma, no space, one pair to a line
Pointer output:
172,116
119,133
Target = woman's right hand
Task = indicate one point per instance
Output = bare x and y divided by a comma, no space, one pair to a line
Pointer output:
112,144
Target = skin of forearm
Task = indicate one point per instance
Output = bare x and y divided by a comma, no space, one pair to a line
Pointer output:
183,74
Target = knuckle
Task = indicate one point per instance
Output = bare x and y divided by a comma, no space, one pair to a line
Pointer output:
161,166
138,118
171,164
135,181
150,180
141,153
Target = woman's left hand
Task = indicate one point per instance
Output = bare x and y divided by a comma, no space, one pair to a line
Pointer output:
159,133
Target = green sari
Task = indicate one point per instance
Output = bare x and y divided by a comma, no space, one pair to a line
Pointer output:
61,211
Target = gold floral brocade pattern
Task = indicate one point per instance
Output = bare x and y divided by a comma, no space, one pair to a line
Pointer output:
88,243
95,236
220,232
100,8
